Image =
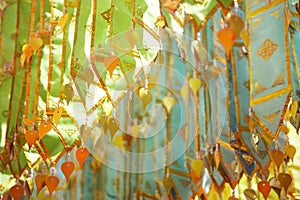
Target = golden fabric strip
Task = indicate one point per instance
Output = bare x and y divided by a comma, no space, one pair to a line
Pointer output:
145,26
268,97
270,134
249,53
103,85
287,46
222,60
179,173
262,9
60,137
46,153
225,144
295,57
282,117
196,103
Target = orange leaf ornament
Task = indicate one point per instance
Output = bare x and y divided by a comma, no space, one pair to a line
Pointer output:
226,37
265,188
111,62
17,192
31,136
44,128
67,168
40,182
52,183
81,155
278,157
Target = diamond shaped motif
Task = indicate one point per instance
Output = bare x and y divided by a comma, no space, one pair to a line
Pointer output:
267,49
248,159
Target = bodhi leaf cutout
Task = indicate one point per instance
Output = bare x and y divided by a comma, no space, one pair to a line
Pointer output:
31,136
226,37
67,168
236,23
52,183
40,181
265,188
44,128
169,102
57,114
17,192
35,43
81,155
111,62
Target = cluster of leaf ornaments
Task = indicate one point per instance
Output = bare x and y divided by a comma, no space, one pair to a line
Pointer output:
144,76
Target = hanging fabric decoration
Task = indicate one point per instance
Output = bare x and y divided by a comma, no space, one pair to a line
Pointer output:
191,99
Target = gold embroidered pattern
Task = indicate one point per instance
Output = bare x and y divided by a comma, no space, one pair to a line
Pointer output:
184,183
255,2
202,2
255,23
148,186
128,3
267,49
259,88
271,117
261,153
246,84
248,159
278,81
276,14
89,28
107,14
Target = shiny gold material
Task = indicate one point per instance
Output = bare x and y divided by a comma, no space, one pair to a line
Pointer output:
267,49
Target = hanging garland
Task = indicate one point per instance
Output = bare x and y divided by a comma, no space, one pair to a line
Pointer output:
164,100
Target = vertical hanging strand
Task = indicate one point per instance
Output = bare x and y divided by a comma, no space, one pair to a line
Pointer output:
75,36
167,43
215,79
196,103
204,91
205,113
130,177
235,91
156,93
25,93
49,79
38,70
50,59
93,26
63,54
28,69
231,98
137,164
187,108
8,134
125,172
132,102
169,119
118,174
